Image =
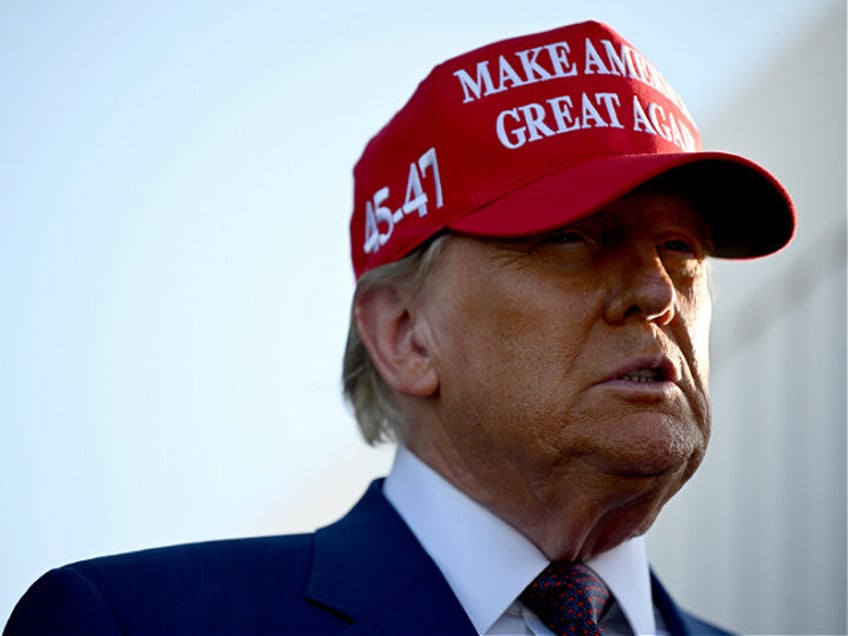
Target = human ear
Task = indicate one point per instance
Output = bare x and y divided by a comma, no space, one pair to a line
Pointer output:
391,333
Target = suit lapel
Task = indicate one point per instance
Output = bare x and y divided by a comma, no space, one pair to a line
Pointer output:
370,568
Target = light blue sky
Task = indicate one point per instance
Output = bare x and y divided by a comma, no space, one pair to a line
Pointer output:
174,196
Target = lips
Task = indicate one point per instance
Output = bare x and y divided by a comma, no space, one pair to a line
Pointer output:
646,369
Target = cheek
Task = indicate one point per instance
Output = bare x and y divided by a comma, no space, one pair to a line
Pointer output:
694,343
515,348
533,337
700,318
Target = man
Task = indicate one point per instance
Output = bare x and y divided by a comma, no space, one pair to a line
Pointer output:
530,238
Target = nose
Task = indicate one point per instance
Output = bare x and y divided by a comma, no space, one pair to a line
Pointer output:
642,290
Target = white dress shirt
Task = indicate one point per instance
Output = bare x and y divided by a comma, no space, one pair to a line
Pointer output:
488,563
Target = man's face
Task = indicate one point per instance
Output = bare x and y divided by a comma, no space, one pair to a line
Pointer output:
582,351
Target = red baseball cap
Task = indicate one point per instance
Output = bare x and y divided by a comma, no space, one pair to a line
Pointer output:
532,133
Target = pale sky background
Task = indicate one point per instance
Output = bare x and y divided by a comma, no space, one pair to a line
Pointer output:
174,197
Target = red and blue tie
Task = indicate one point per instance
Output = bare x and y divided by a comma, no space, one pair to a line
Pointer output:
569,598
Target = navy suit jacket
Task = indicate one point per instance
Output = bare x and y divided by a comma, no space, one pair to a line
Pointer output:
363,575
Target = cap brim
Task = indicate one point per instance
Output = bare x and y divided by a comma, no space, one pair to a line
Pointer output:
748,212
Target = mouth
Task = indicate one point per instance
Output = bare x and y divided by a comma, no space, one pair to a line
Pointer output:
643,375
647,370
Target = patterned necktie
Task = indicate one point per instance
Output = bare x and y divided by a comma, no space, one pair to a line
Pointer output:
569,598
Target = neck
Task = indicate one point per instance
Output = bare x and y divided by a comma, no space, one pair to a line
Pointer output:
571,514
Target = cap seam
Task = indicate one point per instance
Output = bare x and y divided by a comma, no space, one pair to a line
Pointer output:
439,128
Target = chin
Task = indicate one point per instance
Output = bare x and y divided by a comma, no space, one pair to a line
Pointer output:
655,446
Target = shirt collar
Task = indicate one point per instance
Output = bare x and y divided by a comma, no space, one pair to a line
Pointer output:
627,574
488,563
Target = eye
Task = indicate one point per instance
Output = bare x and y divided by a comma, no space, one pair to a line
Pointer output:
684,247
679,245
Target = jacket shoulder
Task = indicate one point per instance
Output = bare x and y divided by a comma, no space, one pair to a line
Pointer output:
62,602
234,586
364,574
